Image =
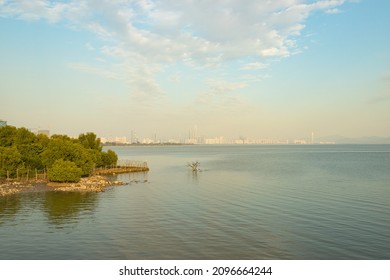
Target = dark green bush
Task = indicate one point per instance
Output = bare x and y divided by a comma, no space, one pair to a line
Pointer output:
109,158
64,171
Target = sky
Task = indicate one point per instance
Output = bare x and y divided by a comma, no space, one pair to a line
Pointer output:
277,69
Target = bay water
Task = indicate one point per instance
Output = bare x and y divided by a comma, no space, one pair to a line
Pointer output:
246,202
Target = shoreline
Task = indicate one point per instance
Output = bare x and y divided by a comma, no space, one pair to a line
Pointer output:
97,182
94,183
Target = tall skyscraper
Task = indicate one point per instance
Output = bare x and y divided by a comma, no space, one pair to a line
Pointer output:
133,137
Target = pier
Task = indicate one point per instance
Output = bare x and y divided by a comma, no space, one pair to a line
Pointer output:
124,166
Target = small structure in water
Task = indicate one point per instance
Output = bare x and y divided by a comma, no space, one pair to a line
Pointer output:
194,165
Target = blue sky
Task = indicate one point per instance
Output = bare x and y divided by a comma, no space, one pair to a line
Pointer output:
266,69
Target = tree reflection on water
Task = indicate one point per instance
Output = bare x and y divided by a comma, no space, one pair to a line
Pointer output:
9,207
65,207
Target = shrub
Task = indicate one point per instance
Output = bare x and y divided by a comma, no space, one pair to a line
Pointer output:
109,158
64,171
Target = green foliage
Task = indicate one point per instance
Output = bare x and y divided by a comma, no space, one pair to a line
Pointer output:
23,150
31,155
109,158
64,171
10,161
7,136
61,137
24,137
60,148
97,157
90,141
43,140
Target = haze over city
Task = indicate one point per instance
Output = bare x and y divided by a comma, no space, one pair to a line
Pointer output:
262,69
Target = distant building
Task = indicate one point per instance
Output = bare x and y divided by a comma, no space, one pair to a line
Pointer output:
173,141
267,141
239,141
300,141
133,138
44,132
3,123
214,141
191,141
121,140
149,141
116,140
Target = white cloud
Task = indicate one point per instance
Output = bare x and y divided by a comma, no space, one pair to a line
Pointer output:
99,71
333,11
219,93
221,87
89,46
98,29
147,34
34,9
175,78
249,78
254,66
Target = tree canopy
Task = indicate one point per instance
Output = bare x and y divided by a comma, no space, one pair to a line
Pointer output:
64,171
22,149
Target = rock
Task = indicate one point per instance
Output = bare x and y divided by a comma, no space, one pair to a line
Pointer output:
94,183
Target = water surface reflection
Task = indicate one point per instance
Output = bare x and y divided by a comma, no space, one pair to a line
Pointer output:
62,208
9,207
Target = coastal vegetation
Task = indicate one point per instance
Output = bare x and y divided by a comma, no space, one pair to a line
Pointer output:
63,159
64,171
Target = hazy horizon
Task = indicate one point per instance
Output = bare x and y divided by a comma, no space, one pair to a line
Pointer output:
259,69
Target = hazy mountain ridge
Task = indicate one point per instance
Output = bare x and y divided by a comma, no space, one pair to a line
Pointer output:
338,139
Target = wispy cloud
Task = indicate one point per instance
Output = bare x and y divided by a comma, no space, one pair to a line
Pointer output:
147,34
89,46
219,92
175,78
333,11
99,71
254,66
221,87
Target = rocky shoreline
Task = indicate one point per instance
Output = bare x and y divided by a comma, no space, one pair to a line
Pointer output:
95,183
10,188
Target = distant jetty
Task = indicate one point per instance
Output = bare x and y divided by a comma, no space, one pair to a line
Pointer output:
124,167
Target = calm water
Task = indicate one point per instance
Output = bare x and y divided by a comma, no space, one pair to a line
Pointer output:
248,202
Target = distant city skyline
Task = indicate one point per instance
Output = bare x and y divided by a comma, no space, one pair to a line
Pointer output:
255,69
193,138
311,138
